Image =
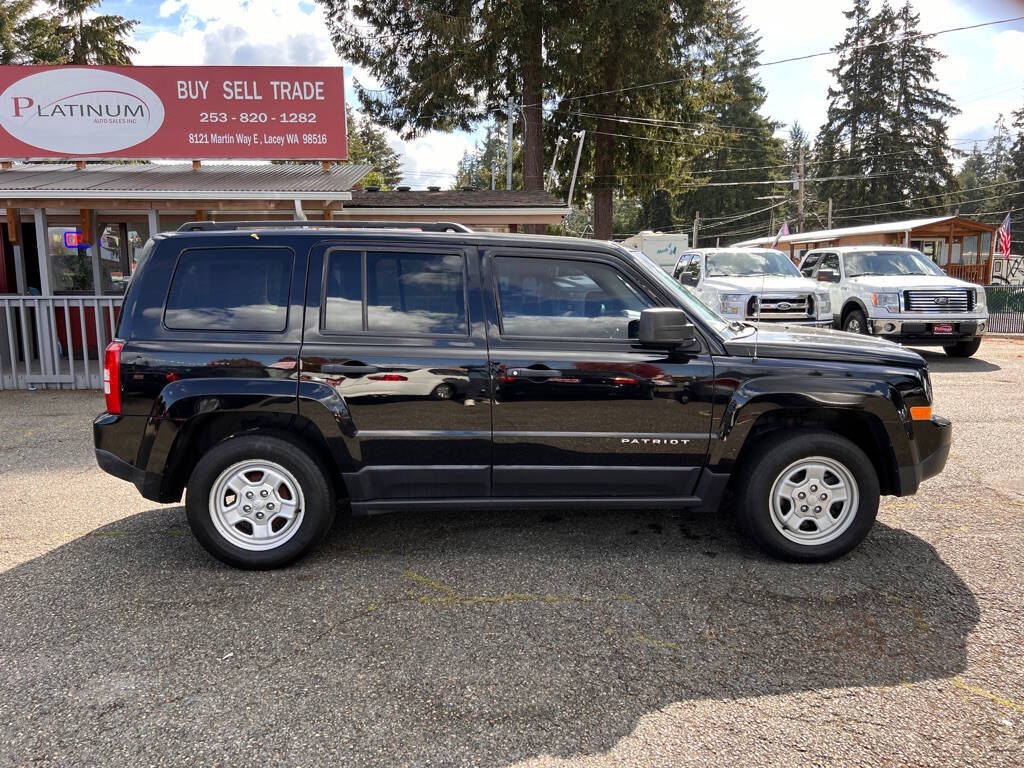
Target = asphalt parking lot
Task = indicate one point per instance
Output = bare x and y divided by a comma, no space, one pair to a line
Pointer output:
529,638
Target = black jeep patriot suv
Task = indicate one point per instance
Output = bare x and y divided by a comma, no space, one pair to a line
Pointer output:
276,369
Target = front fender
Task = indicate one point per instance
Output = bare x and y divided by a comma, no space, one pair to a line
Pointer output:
764,395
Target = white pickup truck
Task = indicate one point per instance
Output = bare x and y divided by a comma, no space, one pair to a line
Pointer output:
747,284
901,295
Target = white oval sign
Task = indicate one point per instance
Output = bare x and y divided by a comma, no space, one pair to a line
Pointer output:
76,111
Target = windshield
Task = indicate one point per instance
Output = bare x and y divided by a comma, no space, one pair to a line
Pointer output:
691,303
889,263
742,263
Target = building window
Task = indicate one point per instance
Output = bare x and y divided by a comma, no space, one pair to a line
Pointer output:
70,267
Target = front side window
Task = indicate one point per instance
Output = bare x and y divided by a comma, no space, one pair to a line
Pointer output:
407,293
230,289
563,298
807,268
830,261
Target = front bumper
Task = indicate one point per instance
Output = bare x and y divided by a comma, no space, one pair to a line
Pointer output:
923,331
929,450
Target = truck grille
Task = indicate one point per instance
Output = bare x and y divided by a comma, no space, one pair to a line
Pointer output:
939,300
782,307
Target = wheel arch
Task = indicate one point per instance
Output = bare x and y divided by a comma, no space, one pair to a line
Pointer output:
849,306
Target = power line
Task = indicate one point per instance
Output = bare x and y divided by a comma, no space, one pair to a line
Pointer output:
832,51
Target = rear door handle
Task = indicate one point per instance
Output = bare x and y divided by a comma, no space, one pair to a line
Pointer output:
343,368
534,373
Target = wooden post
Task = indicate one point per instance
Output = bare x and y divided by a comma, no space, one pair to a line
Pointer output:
200,215
6,165
991,257
13,226
325,166
328,214
80,165
85,225
196,165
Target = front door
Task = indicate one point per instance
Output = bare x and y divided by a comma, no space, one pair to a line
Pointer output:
578,410
397,331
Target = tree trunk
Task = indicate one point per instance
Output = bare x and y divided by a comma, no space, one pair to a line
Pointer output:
533,95
604,151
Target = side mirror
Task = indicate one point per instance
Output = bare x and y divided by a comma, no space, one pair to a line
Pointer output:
687,278
666,328
828,276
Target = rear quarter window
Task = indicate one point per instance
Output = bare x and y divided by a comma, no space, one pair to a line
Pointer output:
230,289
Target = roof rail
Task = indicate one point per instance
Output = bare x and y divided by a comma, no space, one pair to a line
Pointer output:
227,226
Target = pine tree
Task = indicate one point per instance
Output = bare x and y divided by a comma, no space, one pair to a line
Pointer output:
657,211
449,65
474,169
375,149
745,139
91,38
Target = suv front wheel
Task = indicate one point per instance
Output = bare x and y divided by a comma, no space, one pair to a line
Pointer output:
258,502
812,496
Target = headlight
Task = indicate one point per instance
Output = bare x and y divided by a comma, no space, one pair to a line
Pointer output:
979,298
890,302
731,303
824,304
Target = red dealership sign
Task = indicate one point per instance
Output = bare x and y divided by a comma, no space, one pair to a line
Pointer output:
191,113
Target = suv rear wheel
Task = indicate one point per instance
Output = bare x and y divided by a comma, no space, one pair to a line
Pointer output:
963,348
811,497
258,502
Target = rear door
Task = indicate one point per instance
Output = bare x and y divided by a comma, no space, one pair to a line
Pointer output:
396,329
578,410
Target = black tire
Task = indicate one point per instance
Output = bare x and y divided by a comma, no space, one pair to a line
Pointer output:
769,459
963,348
317,513
443,392
855,322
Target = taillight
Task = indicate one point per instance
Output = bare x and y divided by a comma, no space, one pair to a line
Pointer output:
112,376
388,377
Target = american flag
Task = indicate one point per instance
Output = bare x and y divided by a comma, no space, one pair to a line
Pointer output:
1003,233
784,230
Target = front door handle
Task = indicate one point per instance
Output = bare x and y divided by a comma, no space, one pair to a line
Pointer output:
534,373
348,369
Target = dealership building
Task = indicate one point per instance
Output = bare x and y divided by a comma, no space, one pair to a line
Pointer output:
71,230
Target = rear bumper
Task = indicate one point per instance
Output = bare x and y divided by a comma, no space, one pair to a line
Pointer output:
115,438
929,451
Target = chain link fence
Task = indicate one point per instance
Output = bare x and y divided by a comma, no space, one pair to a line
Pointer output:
1005,308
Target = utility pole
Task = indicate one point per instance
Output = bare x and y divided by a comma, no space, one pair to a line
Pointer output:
494,171
508,171
771,223
830,213
696,229
800,194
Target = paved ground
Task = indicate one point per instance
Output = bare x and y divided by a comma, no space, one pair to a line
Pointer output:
491,639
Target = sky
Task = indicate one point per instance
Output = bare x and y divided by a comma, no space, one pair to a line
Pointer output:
983,70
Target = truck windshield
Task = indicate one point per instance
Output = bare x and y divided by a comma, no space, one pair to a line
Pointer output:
691,303
741,263
889,263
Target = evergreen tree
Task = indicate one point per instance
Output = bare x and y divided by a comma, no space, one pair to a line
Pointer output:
973,173
744,139
373,148
474,169
886,128
449,65
26,38
90,38
657,211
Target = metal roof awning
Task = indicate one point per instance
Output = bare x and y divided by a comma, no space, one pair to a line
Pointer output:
263,181
887,227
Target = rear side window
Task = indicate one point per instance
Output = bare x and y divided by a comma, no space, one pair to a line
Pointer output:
403,293
230,289
562,298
